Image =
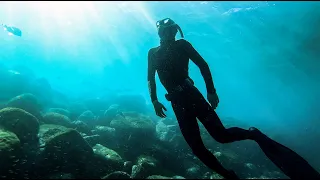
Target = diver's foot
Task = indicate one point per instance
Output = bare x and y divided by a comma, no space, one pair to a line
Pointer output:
253,129
254,133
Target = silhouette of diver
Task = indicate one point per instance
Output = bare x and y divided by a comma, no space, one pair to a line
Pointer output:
12,30
170,60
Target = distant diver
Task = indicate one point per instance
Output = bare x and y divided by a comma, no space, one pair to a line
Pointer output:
170,60
12,30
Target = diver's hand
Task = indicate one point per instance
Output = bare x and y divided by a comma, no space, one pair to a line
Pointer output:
158,107
213,99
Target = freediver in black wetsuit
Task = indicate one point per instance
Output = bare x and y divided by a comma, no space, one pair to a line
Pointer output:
11,29
170,60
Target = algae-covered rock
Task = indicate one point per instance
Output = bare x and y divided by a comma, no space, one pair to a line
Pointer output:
136,127
228,157
81,127
193,172
138,172
99,165
20,122
206,175
112,155
216,176
157,177
10,150
133,135
110,114
87,117
147,159
127,166
178,177
146,166
92,139
117,175
9,143
178,142
68,143
59,111
58,119
106,133
27,102
48,131
65,152
165,132
168,157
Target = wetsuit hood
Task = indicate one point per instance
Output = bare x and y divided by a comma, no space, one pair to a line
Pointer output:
167,27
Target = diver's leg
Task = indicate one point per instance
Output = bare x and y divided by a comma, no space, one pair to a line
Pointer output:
292,164
190,130
214,126
209,118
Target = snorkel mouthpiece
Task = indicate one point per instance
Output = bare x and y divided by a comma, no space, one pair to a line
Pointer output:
166,23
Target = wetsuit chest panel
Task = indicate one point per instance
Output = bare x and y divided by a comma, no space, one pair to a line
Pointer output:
167,58
171,63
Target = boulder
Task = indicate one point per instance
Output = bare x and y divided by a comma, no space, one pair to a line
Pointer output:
48,131
107,135
110,114
59,111
27,102
20,122
10,152
117,175
57,119
114,158
65,152
81,127
87,117
146,166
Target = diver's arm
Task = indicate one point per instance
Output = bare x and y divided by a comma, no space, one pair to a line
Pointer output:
151,78
202,64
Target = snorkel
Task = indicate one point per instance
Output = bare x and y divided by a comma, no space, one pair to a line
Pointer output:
167,29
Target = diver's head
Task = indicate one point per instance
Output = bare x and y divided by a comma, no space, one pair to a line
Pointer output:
167,29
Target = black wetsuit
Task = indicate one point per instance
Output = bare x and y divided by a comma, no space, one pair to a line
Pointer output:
170,60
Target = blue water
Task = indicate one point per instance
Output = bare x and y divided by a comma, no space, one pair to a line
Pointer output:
264,56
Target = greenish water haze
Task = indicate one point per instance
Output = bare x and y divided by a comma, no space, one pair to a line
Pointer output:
264,56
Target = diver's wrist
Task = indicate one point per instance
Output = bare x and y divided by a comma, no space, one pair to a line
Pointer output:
155,101
212,91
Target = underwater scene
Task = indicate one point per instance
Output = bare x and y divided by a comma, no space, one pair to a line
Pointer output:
159,90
